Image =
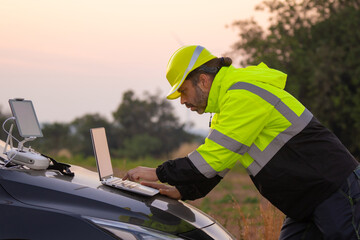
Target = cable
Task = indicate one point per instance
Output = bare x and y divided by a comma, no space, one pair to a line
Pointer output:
3,127
13,156
10,159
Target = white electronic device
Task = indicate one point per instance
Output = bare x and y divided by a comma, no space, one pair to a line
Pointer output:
30,159
29,128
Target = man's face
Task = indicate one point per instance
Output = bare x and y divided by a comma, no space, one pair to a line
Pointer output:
194,97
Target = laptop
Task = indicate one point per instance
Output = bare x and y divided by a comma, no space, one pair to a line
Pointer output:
105,170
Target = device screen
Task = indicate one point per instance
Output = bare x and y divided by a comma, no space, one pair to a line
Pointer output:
26,119
101,150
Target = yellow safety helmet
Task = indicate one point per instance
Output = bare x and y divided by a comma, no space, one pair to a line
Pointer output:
181,63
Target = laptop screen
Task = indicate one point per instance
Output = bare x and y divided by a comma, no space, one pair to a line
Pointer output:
101,151
26,120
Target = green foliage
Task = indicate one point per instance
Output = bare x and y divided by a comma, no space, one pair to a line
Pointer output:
140,146
117,163
228,198
80,133
251,200
142,128
56,137
206,205
79,160
148,126
316,42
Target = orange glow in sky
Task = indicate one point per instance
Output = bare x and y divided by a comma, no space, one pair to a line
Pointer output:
73,57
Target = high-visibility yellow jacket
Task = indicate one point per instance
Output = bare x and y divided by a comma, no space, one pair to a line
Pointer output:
294,161
254,119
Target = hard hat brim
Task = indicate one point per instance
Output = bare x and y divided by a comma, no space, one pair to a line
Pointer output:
173,95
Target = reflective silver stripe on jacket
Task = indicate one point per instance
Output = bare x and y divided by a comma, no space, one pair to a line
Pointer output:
222,140
261,158
200,163
227,142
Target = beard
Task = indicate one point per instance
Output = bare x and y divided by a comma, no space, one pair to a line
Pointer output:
201,99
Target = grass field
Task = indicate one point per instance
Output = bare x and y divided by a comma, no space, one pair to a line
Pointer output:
235,203
238,206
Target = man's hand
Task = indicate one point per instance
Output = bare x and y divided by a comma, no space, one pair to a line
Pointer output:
164,189
141,173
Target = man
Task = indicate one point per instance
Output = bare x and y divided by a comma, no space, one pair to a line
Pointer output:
294,161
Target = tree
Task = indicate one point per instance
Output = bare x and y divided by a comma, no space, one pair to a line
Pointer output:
149,126
140,146
140,128
56,137
316,42
80,133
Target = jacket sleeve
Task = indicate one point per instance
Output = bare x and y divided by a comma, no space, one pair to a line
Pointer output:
199,189
179,172
182,174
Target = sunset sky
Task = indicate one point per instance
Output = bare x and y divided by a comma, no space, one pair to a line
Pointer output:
72,57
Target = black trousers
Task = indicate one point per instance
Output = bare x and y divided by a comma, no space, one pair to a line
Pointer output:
338,217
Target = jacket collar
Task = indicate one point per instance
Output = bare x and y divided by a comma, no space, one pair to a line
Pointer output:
214,94
252,74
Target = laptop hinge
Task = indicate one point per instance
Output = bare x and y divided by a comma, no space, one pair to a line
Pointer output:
105,179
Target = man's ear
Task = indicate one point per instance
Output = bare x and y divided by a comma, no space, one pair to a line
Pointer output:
205,81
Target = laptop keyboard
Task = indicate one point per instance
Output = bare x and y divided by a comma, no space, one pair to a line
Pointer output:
131,186
124,183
